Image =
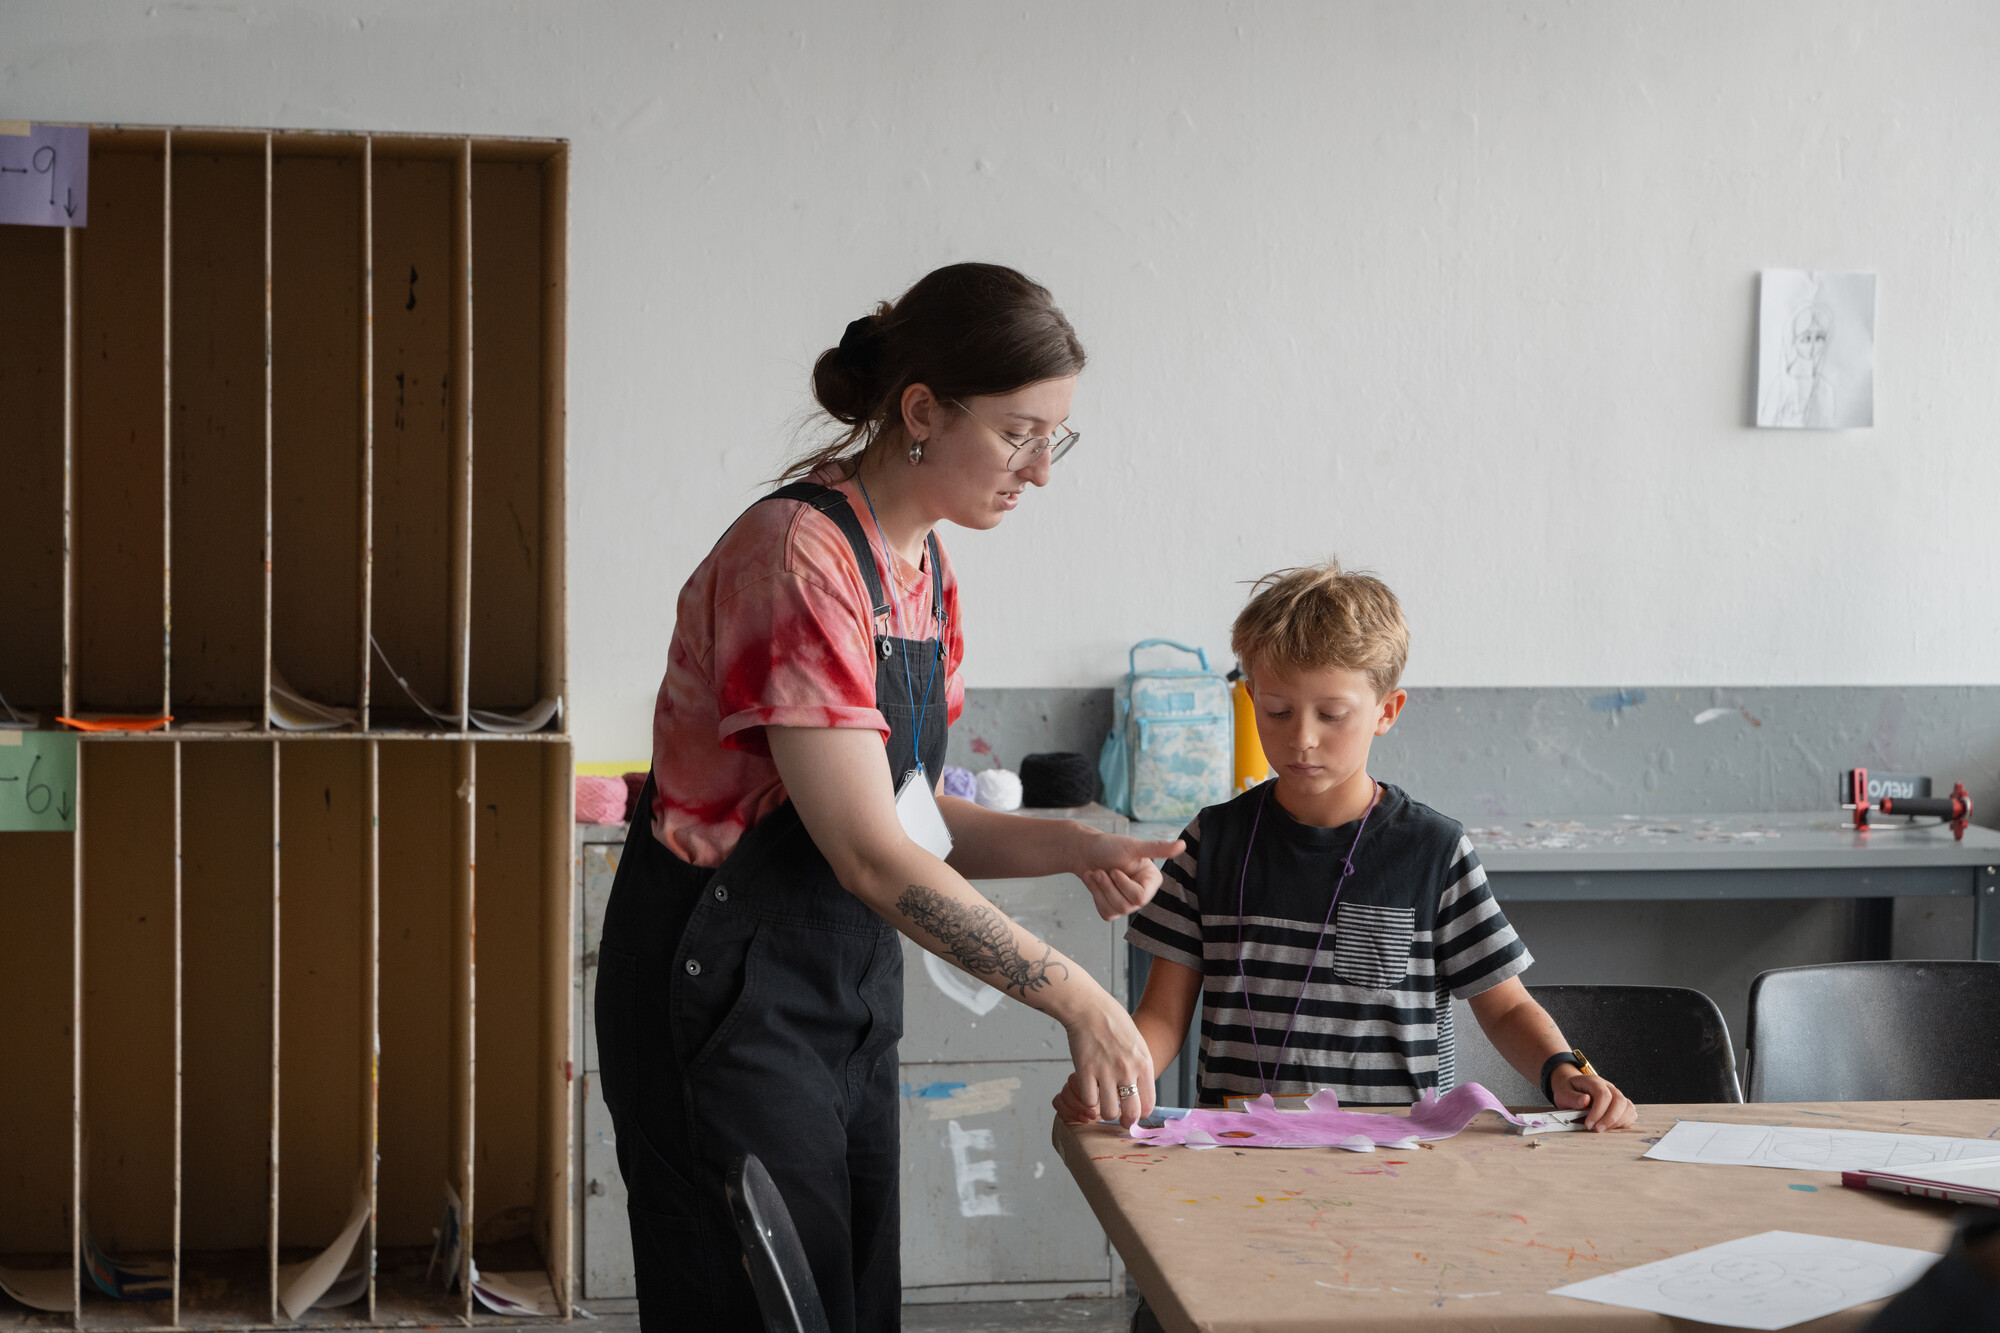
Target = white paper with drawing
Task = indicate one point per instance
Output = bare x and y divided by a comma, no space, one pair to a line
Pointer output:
1815,349
1809,1147
1773,1280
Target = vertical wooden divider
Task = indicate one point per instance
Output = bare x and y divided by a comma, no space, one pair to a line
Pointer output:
555,479
371,1003
367,450
264,698
167,425
277,991
559,1134
76,1049
69,475
180,1061
464,941
461,437
76,832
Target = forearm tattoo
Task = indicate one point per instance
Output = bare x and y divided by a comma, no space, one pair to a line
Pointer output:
981,940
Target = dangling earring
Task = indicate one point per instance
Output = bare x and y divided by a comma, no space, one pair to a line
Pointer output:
916,452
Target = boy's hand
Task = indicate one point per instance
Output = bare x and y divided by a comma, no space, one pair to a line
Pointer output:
1603,1105
1070,1105
1120,872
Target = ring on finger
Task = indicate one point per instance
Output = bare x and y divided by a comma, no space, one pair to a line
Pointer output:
1127,1090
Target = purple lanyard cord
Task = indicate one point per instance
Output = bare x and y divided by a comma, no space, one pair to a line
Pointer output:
1243,879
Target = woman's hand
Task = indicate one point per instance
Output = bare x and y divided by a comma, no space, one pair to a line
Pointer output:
1603,1105
1070,1106
1110,1055
1121,873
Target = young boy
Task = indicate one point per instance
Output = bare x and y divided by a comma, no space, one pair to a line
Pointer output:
1347,913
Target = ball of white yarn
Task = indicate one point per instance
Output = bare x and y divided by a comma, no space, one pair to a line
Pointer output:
998,789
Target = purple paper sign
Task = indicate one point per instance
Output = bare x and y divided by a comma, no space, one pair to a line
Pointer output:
44,175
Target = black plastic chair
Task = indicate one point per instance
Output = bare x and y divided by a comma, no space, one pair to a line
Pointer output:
786,1293
1657,1043
1871,1032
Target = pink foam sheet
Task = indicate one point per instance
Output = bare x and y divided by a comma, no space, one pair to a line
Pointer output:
1323,1124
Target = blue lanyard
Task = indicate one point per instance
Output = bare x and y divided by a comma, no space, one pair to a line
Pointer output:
896,607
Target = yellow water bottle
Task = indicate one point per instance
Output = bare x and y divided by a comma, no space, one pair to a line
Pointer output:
1251,766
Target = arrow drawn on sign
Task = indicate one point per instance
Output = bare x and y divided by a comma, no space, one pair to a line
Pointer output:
69,201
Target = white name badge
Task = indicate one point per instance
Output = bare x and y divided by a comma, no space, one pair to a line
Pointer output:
916,806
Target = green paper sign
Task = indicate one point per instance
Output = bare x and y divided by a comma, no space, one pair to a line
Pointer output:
37,781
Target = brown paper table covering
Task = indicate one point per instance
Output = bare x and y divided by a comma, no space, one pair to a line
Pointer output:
1472,1232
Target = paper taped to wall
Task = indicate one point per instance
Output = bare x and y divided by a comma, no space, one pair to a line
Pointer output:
1815,349
45,176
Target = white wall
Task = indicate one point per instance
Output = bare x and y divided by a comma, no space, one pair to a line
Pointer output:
1460,291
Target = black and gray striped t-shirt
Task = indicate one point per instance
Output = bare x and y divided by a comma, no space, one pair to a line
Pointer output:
1414,926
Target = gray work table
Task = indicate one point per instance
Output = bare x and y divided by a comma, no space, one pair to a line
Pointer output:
1598,858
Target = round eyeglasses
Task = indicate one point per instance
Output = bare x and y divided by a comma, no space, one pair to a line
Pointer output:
1030,450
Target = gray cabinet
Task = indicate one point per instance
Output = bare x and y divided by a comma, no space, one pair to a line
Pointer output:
603,1240
988,1211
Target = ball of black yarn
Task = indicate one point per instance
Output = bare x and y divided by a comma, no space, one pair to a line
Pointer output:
1057,780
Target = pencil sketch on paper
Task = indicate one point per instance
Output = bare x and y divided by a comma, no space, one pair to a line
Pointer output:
1770,1281
1801,1148
1815,349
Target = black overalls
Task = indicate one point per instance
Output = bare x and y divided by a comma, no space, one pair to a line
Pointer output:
755,1007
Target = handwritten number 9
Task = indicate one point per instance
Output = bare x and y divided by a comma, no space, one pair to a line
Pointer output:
45,163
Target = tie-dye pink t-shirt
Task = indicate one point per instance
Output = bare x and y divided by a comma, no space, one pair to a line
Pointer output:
774,628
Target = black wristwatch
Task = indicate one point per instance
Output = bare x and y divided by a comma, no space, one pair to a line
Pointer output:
1550,1065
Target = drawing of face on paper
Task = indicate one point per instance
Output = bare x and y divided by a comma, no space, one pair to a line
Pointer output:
1816,349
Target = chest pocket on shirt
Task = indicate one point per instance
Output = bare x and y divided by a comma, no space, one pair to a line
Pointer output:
1371,945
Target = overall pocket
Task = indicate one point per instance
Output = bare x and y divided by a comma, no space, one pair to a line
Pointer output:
1371,945
714,981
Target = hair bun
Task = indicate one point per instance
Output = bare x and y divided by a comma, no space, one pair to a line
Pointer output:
847,378
861,346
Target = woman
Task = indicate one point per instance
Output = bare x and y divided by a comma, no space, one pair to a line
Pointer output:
750,979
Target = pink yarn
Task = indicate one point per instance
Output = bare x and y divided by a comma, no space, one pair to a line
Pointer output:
600,800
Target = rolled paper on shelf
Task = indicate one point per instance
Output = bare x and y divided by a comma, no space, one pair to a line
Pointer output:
1058,780
959,782
600,800
998,789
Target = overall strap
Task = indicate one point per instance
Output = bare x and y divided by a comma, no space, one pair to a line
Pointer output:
937,586
834,505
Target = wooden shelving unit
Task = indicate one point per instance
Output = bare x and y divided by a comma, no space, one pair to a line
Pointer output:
288,391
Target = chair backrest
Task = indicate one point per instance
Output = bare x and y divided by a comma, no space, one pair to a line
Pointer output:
1881,1031
786,1294
1657,1043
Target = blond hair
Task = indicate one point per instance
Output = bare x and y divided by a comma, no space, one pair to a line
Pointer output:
1319,616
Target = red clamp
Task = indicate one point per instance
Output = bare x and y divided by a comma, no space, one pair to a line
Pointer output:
1955,809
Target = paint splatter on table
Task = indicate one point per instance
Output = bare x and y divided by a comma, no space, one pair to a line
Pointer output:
1471,1233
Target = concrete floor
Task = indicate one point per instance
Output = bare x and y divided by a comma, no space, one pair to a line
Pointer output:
1079,1316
